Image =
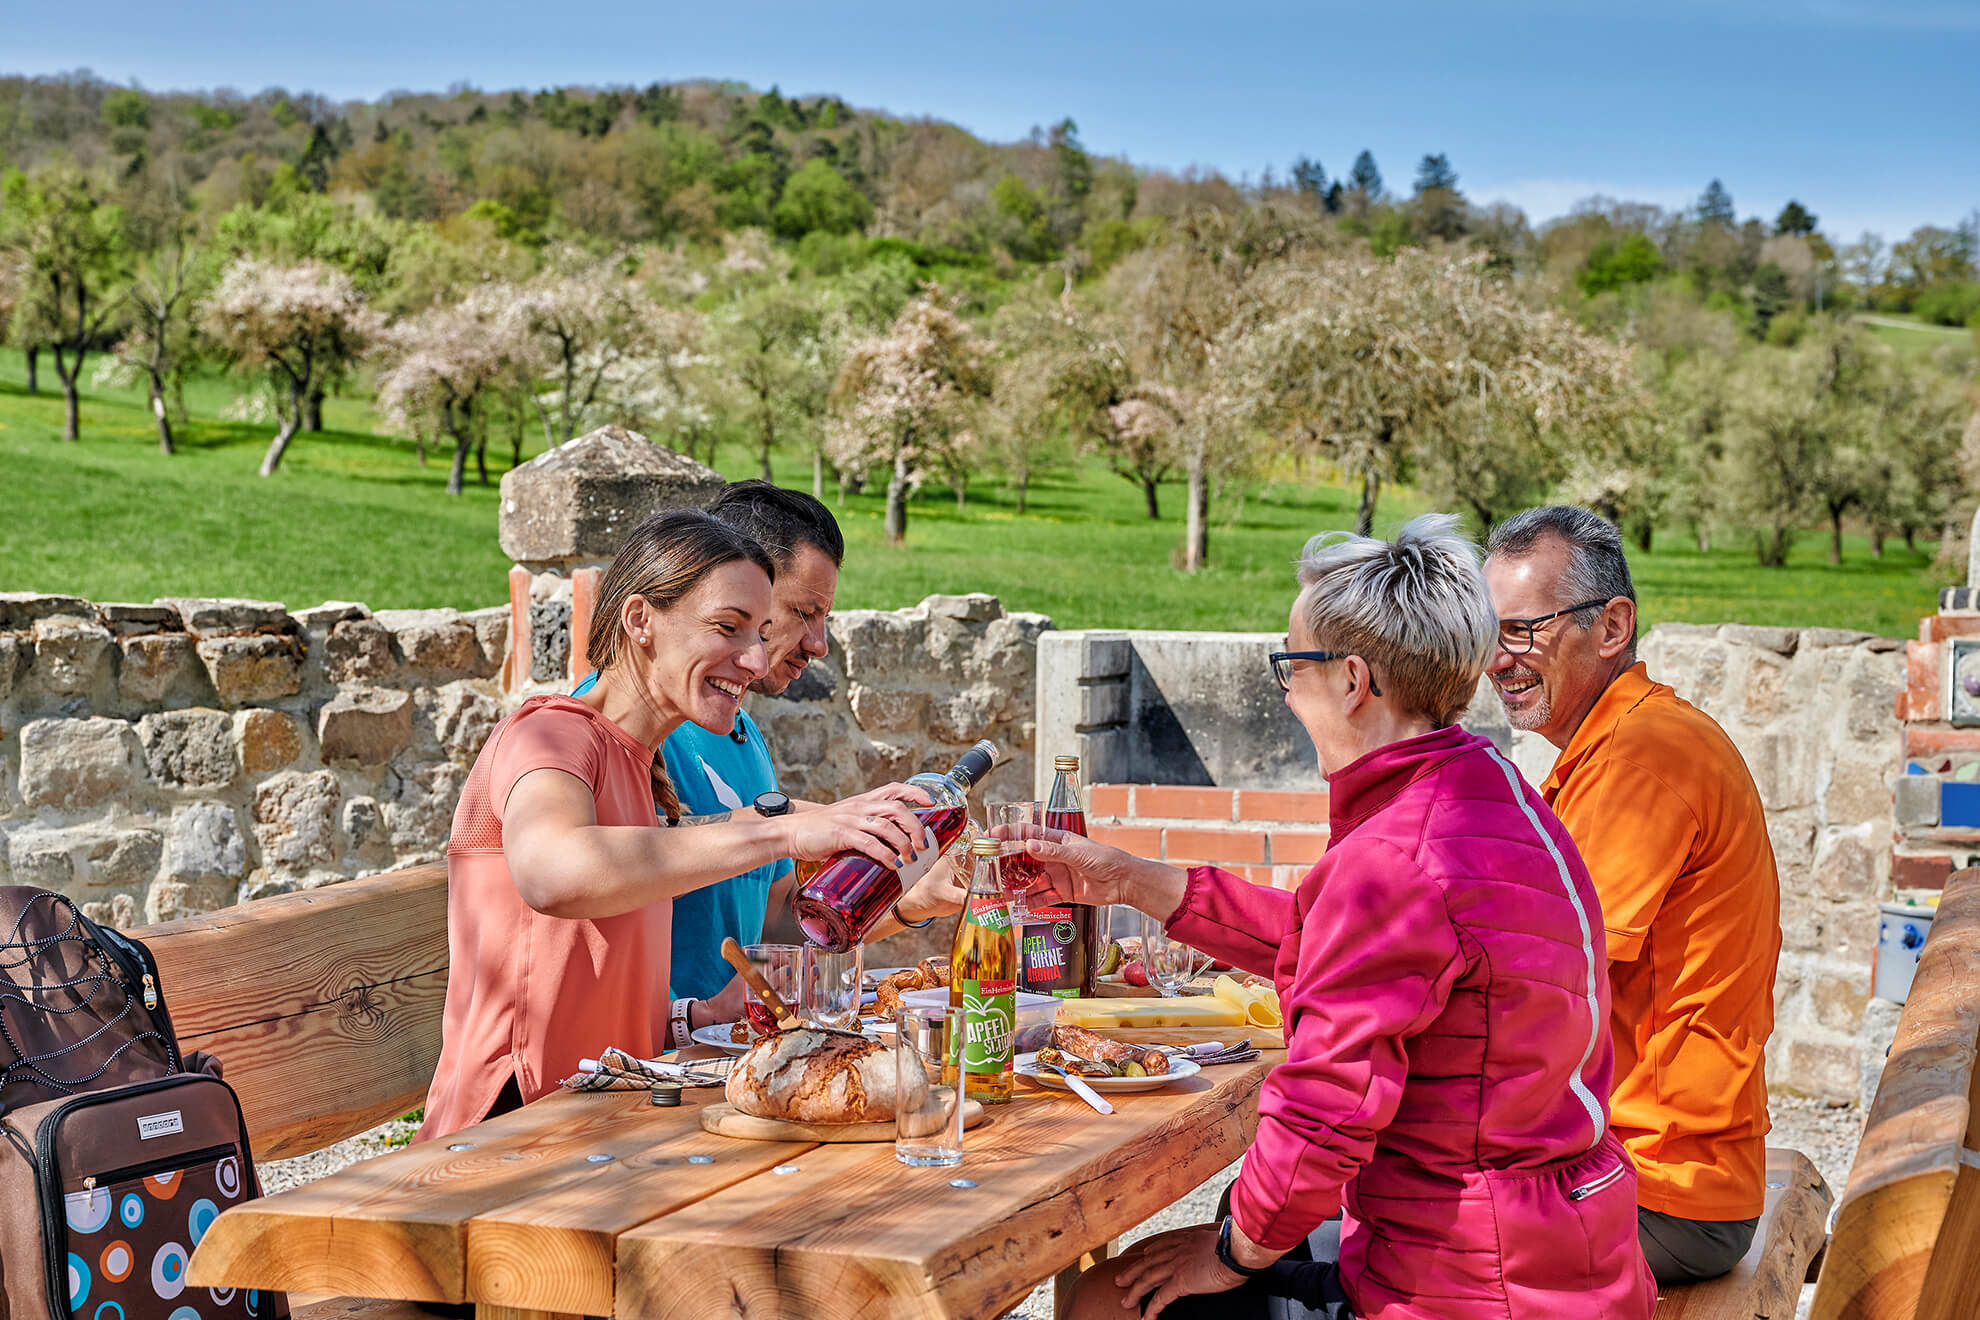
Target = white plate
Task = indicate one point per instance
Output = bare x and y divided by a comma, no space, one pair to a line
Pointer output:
718,1036
1026,1066
875,975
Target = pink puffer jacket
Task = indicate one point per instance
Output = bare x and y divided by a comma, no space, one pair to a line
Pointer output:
1446,997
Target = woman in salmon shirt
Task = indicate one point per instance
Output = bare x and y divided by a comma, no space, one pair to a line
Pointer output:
1443,980
559,923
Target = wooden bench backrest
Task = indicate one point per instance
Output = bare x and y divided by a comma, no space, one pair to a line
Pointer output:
1907,1235
323,1006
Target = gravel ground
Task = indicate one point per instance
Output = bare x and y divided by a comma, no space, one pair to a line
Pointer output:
1824,1132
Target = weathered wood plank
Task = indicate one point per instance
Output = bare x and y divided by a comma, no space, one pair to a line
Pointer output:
1766,1284
853,1233
324,1006
1905,1229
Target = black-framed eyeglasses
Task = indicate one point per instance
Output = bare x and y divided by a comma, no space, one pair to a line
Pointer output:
1282,666
1516,635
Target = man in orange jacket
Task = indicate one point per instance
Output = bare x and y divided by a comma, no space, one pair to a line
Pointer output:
1666,816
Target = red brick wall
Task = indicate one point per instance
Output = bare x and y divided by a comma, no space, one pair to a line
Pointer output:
1269,836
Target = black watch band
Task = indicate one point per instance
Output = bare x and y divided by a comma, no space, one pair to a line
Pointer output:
1229,1261
772,803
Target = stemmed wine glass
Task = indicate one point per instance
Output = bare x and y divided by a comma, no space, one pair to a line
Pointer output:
1170,963
1015,866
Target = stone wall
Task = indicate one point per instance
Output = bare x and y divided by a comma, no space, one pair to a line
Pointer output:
1810,710
165,759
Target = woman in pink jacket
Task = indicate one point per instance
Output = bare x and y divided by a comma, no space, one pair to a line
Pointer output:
1443,976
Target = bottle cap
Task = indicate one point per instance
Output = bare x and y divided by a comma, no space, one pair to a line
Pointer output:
666,1095
985,846
975,763
1067,763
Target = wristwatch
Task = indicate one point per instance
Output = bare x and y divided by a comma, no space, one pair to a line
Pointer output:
772,803
1229,1261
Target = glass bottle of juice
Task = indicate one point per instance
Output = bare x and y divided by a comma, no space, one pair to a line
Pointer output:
851,892
983,983
1059,957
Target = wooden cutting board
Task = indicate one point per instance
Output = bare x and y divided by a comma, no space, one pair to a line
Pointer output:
725,1120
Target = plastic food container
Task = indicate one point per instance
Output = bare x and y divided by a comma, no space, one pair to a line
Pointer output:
1035,1014
1902,929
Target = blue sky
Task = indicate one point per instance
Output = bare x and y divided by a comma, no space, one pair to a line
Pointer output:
1866,112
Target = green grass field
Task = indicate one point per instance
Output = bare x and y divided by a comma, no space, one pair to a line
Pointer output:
1917,339
352,516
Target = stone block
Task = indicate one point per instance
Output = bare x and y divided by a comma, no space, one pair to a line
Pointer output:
421,813
20,609
1923,697
963,717
1838,1000
1814,637
1806,923
1766,678
879,644
75,764
436,644
1784,762
209,615
169,899
125,619
330,613
1873,1046
265,740
365,726
1875,686
887,710
119,911
578,501
158,667
977,607
364,825
1792,836
358,651
882,762
1825,1069
549,641
41,858
463,717
1850,865
205,844
1918,800
1859,789
1105,703
817,681
126,860
255,667
491,634
1781,641
189,748
295,820
14,654
71,653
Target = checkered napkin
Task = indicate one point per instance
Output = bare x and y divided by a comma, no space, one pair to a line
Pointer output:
616,1070
1204,1057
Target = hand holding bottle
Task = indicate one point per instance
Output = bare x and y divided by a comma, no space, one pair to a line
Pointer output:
880,824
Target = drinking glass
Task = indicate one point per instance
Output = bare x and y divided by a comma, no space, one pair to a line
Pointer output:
928,1133
1171,964
831,986
1015,866
781,968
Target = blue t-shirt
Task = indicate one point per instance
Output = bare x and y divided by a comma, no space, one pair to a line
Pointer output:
713,772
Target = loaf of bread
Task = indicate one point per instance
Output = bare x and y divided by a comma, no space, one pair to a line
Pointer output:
811,1076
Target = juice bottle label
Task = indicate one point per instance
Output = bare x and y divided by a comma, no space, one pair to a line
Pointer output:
989,1025
989,912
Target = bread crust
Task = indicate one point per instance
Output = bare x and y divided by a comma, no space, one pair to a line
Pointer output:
807,1075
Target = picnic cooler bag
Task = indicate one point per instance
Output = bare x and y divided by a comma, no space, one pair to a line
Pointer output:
114,1160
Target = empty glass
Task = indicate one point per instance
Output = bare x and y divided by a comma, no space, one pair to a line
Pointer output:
831,986
1171,964
928,1116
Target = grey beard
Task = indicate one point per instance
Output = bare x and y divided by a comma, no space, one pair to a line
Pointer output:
1534,716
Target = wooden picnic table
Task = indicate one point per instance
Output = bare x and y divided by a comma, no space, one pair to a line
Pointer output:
600,1203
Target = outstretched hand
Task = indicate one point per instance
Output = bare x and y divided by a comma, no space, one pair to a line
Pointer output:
879,823
1077,869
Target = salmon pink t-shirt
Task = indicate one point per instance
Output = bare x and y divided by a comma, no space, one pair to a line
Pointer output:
529,995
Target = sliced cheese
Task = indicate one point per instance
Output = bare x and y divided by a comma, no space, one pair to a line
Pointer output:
1200,1011
1258,1003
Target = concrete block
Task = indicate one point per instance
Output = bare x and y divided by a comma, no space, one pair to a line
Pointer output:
1918,800
577,502
1103,704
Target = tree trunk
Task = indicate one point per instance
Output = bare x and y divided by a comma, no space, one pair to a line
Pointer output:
961,487
284,433
515,438
158,411
1196,527
481,453
1704,539
1642,533
1911,538
897,487
817,474
1835,534
312,412
1148,485
419,447
1023,488
456,473
1364,514
33,352
1877,535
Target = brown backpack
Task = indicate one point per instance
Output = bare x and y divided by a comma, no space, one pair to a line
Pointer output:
114,1158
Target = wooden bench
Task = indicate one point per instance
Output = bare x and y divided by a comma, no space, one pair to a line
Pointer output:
1907,1237
1766,1284
324,1009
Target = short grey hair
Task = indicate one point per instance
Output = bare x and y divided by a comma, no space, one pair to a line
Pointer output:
1415,608
1597,569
